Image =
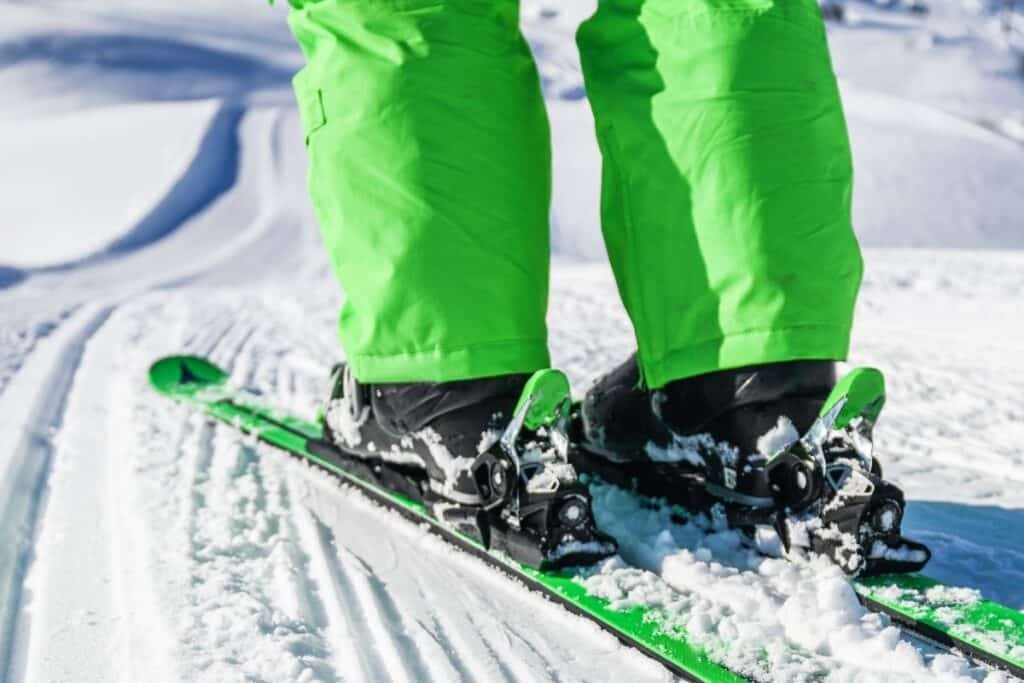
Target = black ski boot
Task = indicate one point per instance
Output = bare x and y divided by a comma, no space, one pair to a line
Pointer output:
488,456
780,444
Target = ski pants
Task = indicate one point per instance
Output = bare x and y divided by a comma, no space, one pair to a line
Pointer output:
726,182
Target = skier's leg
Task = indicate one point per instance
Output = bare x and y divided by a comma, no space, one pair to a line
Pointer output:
430,175
727,181
726,210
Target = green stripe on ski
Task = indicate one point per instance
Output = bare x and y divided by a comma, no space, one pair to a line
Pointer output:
986,625
198,382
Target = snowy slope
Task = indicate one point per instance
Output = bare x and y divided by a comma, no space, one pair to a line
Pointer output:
139,541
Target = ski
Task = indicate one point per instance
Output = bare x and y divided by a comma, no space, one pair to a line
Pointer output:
827,487
949,617
955,618
201,384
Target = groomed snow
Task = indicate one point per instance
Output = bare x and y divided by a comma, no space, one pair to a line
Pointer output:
141,542
77,184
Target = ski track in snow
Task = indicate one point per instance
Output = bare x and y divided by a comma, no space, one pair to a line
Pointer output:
142,542
260,567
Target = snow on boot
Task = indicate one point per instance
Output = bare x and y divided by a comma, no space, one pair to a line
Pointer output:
488,456
829,485
764,445
684,442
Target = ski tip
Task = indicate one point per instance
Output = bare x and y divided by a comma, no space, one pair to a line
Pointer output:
177,375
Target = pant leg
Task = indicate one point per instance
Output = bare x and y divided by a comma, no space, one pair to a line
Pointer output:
726,181
430,176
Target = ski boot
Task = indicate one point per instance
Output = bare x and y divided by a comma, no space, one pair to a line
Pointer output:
779,444
486,456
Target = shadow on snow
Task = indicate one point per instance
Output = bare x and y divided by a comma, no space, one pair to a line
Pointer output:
146,67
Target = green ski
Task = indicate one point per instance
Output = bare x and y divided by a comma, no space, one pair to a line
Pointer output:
949,617
199,383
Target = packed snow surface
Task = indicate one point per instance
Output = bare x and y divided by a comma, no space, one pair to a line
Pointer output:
154,168
152,201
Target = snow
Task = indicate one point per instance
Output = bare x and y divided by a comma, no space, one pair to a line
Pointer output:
778,438
341,421
771,619
153,202
688,449
902,554
572,547
154,169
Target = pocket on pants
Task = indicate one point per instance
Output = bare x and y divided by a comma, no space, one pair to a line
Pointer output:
311,106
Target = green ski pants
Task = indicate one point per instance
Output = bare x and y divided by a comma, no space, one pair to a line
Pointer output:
726,182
